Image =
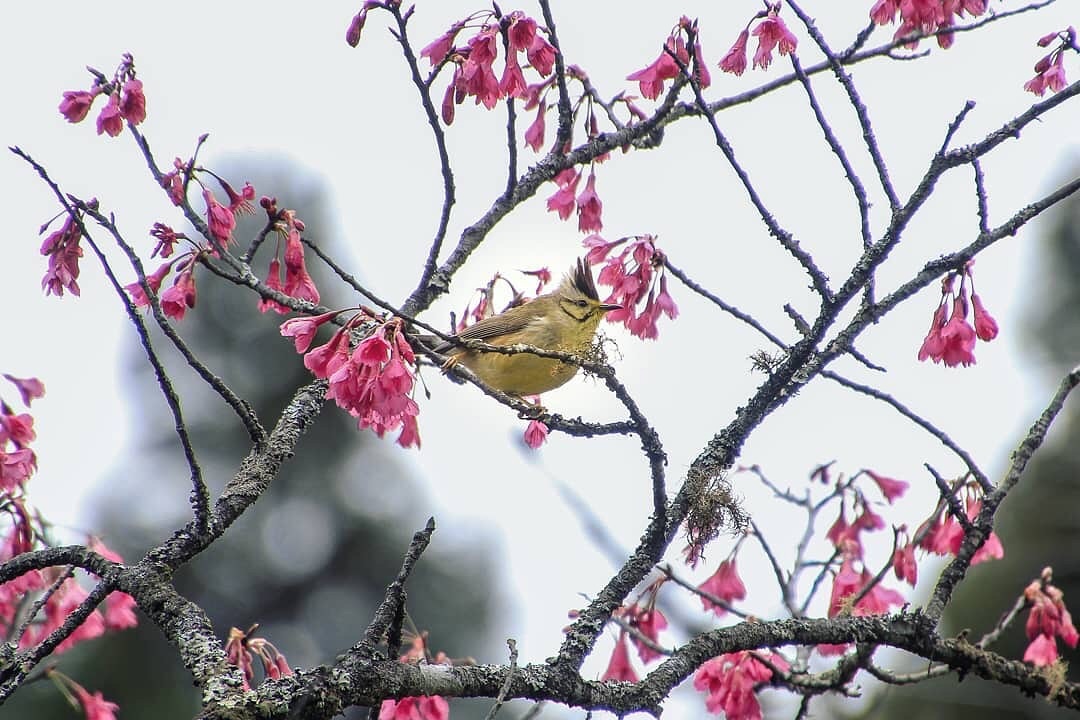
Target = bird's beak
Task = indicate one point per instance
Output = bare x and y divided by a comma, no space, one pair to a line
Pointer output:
606,307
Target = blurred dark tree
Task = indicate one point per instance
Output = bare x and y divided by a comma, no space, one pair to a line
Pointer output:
1038,523
310,561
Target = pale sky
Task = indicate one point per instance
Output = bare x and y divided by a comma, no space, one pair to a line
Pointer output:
277,79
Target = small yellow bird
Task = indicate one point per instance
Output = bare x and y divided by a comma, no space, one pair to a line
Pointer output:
561,321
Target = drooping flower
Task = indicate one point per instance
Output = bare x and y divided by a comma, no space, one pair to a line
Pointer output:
772,33
729,682
109,120
951,338
619,666
153,281
298,283
534,134
541,55
273,281
890,488
564,199
219,219
302,329
724,584
904,564
423,707
652,77
437,50
1048,620
63,250
648,621
76,104
95,707
589,207
986,328
29,388
133,102
633,275
177,299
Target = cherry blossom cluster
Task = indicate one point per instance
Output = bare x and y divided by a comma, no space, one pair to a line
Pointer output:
1050,69
640,625
943,534
925,17
1048,620
856,590
220,218
35,604
373,382
587,202
474,61
637,277
17,461
730,681
951,338
181,295
423,707
242,649
772,34
297,282
63,250
125,99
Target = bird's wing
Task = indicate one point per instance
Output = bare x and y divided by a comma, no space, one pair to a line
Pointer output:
491,327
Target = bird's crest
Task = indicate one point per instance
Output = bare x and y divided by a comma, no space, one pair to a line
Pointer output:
580,278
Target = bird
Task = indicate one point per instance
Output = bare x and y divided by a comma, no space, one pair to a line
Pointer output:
565,321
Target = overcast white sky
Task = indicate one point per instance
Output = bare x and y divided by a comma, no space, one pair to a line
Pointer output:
276,79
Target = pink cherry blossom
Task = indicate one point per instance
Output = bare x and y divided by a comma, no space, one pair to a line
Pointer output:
520,31
564,199
890,488
536,434
302,329
986,328
734,61
95,707
437,50
298,283
1042,651
649,622
109,120
273,281
29,388
772,33
534,134
63,250
133,102
724,584
541,55
512,84
424,707
730,680
219,219
904,564
356,25
153,281
651,78
589,207
76,104
619,667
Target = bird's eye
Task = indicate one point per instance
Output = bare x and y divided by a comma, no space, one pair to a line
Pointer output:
581,303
